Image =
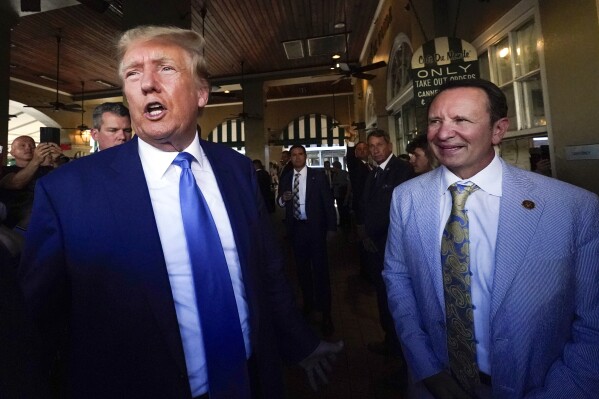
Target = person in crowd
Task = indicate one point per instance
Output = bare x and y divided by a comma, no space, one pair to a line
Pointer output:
182,294
265,185
17,181
340,187
492,271
311,219
112,125
273,169
389,173
328,172
286,165
358,168
421,157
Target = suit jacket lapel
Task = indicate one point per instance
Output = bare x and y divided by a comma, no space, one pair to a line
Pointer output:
309,183
517,225
426,213
236,205
133,213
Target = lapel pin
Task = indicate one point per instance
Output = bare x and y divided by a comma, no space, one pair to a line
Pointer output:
528,204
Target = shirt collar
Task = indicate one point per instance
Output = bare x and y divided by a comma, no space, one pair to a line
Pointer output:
489,179
156,162
383,164
301,171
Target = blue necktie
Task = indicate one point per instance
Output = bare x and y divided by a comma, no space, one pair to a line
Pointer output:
223,339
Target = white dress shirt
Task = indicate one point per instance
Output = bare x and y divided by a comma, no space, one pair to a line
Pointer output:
162,178
482,207
383,164
302,191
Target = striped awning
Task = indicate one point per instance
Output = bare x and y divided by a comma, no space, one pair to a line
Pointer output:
312,130
230,133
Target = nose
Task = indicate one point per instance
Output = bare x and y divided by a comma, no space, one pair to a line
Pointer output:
149,82
444,130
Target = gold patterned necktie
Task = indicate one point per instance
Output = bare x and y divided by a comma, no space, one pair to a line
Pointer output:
296,200
455,259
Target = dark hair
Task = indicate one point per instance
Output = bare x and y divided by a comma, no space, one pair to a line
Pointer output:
293,147
114,108
258,163
420,141
497,102
379,133
337,164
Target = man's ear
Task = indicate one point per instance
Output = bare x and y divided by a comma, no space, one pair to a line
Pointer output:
499,129
93,132
203,93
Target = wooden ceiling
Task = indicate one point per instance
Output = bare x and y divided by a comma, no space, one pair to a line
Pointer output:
251,31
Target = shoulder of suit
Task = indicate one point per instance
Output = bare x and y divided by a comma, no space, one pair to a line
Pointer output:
547,187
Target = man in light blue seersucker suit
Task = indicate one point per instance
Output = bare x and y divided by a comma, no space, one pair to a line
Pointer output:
534,259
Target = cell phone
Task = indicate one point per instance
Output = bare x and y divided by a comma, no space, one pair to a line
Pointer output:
50,135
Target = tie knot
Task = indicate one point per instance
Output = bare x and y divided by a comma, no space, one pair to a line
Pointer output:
297,175
184,160
460,193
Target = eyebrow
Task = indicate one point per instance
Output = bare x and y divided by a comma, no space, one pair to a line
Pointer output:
158,60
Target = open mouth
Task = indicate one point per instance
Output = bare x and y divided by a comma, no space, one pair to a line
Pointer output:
154,110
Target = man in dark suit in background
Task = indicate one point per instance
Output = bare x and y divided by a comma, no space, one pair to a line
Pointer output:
286,165
116,291
358,168
310,217
390,172
265,184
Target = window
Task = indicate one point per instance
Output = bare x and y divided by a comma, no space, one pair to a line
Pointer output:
512,60
399,66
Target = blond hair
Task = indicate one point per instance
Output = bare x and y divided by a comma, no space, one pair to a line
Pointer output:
188,40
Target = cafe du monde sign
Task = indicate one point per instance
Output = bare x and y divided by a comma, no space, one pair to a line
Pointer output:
438,61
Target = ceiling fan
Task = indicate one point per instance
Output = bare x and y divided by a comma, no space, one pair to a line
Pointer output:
243,115
57,105
347,70
351,70
82,127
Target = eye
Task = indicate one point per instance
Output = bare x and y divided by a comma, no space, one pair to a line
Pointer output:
460,119
129,74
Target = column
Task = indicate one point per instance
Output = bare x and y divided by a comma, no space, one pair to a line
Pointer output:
256,142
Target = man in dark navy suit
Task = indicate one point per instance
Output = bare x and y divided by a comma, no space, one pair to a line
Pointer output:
114,291
310,216
376,202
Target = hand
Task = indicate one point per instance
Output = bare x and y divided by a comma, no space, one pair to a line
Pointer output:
42,153
369,245
55,151
351,133
444,386
318,364
287,195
